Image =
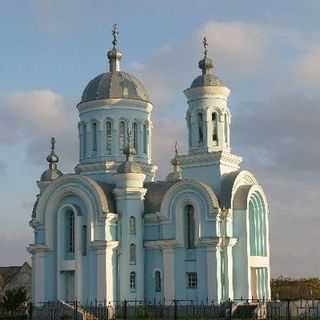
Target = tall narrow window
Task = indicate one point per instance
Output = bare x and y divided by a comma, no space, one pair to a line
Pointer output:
226,138
84,241
122,135
132,253
69,239
200,127
109,137
94,137
214,127
157,279
132,225
84,140
189,226
135,136
145,133
132,280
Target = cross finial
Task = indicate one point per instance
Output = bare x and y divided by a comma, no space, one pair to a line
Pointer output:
176,148
53,142
205,45
115,33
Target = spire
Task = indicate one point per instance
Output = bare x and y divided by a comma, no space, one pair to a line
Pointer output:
176,174
206,63
114,55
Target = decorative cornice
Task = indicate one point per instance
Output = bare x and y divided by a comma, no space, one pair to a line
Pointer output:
110,167
37,248
200,92
215,242
112,217
160,244
119,103
130,193
216,158
225,242
102,245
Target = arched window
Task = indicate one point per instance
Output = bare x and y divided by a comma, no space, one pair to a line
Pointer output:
84,140
109,137
122,135
189,226
200,127
226,138
69,233
132,225
157,281
94,137
135,136
214,127
145,138
132,254
257,222
132,280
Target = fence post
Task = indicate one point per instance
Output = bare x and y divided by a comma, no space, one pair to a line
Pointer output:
175,309
288,310
30,309
125,309
75,313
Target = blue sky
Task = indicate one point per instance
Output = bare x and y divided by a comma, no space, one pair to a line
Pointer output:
267,52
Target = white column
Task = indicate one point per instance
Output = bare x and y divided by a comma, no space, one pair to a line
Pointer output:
229,273
111,268
169,274
101,255
38,272
212,274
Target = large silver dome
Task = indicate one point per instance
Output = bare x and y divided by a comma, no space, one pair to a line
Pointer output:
117,84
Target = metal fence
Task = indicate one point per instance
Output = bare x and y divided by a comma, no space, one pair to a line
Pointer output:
177,309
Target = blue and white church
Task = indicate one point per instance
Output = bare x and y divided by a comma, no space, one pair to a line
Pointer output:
111,232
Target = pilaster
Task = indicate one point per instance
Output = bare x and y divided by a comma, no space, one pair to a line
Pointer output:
38,252
169,274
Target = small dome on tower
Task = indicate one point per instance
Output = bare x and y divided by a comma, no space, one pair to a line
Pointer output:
115,83
207,78
52,172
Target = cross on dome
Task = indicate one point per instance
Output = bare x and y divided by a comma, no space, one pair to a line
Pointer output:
115,33
52,157
205,45
114,55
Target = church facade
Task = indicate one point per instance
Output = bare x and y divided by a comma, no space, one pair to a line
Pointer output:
111,232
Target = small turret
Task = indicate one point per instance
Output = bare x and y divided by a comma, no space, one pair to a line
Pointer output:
52,172
129,173
176,174
129,165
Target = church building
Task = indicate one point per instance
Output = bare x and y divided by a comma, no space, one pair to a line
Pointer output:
111,232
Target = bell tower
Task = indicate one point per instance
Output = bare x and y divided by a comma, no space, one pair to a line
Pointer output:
208,123
208,116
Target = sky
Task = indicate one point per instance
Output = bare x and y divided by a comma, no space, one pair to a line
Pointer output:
266,52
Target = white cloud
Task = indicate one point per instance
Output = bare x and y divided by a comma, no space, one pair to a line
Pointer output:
307,68
33,117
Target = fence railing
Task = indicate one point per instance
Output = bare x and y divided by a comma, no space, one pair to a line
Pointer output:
176,309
